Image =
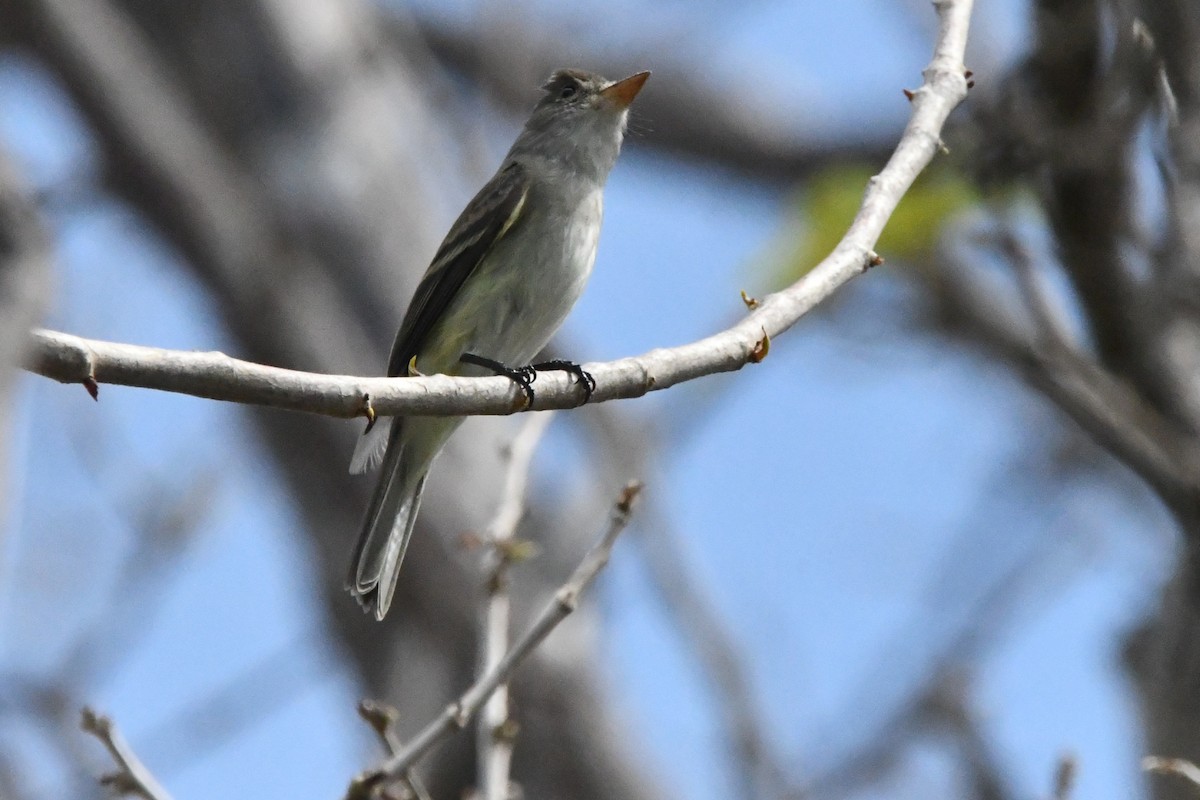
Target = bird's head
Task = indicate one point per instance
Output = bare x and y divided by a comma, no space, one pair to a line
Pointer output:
581,118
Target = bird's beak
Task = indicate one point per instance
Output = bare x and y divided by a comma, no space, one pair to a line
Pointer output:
621,93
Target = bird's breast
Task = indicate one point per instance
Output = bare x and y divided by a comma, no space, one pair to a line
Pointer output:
539,269
570,246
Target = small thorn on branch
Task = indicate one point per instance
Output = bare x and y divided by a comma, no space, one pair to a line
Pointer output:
459,715
93,388
629,494
1173,766
382,719
367,410
751,302
760,349
873,260
363,785
507,731
515,551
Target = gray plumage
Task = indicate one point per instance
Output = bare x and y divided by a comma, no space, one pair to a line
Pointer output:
500,285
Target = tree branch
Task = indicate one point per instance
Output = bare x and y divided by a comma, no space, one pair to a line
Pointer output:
132,778
631,448
1174,766
1115,415
382,719
73,360
459,713
1065,773
494,742
24,287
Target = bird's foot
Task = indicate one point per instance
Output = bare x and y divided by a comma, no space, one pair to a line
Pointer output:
523,377
584,377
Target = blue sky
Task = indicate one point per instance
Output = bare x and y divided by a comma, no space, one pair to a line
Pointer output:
834,501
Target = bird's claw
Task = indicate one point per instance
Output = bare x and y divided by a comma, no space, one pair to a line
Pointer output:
583,377
523,377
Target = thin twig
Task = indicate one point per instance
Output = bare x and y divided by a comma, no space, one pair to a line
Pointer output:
984,615
458,714
1065,773
382,719
520,456
71,359
132,777
632,447
759,773
25,270
494,742
1049,318
1102,404
1174,766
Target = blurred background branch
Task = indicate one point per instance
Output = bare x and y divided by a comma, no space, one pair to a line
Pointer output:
944,585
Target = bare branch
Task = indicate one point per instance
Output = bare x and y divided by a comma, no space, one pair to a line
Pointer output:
1049,318
717,652
1174,766
382,718
213,375
1085,191
520,457
947,704
631,447
132,777
24,286
1110,410
494,739
1065,773
458,714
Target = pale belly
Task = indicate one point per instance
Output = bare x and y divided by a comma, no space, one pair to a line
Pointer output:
525,290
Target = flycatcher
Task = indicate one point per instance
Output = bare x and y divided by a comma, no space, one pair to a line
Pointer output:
501,284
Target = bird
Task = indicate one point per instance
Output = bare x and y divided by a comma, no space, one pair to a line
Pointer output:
500,285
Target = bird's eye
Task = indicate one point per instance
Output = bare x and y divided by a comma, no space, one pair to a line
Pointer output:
568,91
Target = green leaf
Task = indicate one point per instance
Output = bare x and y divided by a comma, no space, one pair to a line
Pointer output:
831,198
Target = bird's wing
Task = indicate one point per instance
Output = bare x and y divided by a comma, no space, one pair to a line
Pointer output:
485,220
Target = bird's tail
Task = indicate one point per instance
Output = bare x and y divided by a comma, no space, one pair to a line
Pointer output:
387,527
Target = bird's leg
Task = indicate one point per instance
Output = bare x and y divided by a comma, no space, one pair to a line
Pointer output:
521,376
583,376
